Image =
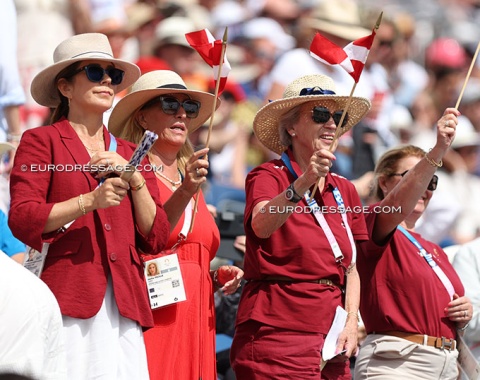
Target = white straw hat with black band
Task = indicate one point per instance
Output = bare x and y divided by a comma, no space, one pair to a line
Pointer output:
81,47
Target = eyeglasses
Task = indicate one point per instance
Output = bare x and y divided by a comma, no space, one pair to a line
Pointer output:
171,105
432,185
95,73
321,115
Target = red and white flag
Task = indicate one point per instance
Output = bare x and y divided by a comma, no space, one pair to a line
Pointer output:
352,57
210,50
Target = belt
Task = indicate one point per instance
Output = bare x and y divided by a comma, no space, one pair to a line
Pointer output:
441,343
322,281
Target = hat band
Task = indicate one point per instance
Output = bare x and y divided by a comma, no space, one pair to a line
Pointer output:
174,86
315,91
100,53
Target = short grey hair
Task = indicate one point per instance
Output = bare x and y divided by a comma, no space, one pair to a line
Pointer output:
287,120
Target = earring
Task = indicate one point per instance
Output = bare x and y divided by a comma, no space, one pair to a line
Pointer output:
293,134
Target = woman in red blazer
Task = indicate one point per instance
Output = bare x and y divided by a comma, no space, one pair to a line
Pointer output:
67,196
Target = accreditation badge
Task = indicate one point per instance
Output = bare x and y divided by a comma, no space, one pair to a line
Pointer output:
34,260
164,281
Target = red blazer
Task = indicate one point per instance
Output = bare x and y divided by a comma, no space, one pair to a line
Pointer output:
100,244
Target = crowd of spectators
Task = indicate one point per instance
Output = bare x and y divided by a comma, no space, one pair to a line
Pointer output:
416,68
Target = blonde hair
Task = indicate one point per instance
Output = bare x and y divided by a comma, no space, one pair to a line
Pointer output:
387,165
133,132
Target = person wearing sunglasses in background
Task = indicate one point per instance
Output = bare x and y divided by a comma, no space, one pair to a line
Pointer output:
93,222
182,343
300,252
412,301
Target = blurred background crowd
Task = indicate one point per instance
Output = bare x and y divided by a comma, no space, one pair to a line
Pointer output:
416,68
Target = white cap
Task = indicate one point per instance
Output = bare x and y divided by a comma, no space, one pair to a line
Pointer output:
264,27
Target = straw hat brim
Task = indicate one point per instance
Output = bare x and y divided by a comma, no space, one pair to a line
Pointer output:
44,86
266,122
131,103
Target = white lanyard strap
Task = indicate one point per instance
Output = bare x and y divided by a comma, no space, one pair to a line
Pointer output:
337,252
428,258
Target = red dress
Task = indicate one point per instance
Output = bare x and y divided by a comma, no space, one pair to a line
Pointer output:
182,344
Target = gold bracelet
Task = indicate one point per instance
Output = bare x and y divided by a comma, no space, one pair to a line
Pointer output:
355,314
432,161
136,188
81,204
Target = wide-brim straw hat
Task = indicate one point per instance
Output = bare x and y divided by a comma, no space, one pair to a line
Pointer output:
81,47
152,85
5,147
266,122
340,18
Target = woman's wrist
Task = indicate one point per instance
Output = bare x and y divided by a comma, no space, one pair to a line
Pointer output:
137,182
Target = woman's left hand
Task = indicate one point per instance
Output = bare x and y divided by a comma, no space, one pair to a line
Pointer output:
459,310
347,341
230,276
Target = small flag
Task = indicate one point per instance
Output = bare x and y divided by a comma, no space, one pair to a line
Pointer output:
210,50
352,57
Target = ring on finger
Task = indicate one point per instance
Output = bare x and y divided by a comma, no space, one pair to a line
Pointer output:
465,314
108,162
447,123
197,171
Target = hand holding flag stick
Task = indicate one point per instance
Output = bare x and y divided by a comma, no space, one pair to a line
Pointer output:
352,58
213,52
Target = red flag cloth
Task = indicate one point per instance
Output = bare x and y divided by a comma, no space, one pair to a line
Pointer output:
352,57
210,50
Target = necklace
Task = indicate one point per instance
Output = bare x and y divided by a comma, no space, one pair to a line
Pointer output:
172,182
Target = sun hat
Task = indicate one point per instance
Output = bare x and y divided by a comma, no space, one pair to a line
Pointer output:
266,122
81,47
151,85
172,30
5,147
465,135
337,17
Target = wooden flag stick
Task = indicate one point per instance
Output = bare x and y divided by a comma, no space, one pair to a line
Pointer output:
339,129
468,76
214,107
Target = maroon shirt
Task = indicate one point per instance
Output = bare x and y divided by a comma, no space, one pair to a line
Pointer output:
400,291
299,250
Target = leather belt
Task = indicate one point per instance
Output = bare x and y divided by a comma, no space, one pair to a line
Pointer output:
322,281
441,343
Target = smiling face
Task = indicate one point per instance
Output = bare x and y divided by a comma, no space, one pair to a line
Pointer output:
310,135
152,269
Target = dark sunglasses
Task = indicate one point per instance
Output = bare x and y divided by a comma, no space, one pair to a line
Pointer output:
432,185
171,105
321,115
95,73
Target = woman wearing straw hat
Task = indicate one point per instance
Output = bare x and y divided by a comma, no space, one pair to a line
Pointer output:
88,221
297,272
182,343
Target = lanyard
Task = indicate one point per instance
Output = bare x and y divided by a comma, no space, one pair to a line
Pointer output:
112,148
337,252
429,259
182,236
